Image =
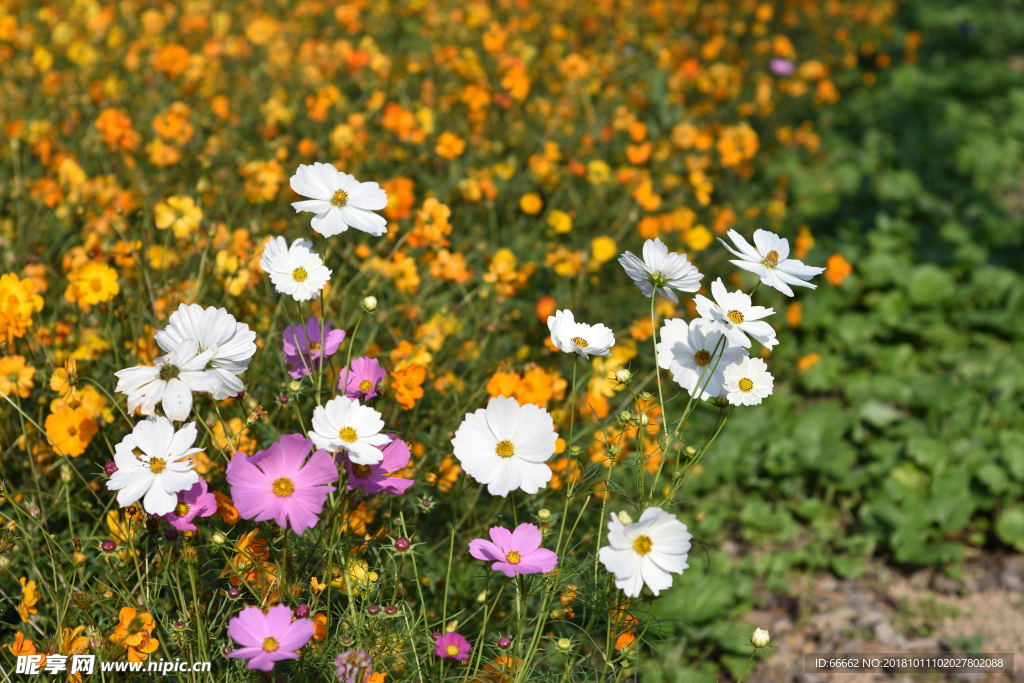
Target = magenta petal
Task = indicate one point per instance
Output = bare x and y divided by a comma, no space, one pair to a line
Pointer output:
502,538
539,561
482,549
506,568
526,537
298,634
396,486
396,456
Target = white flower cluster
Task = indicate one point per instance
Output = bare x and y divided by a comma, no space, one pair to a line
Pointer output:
205,350
708,356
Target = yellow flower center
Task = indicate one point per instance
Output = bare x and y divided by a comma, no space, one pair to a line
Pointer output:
514,557
283,488
771,260
340,198
157,465
270,644
96,285
181,509
299,274
580,342
642,545
72,430
365,385
735,316
347,434
361,471
745,384
452,650
314,346
702,357
505,449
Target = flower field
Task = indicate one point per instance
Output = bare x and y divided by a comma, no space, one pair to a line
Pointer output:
496,341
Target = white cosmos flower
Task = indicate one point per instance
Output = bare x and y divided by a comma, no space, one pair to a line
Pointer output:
573,337
297,271
169,382
661,271
748,382
153,463
344,423
506,446
769,258
230,343
696,352
647,552
339,200
735,316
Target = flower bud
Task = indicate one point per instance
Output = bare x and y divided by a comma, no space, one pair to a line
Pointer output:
219,538
402,544
544,515
575,451
370,304
623,376
504,642
301,612
646,396
760,637
563,644
482,597
294,386
624,517
108,546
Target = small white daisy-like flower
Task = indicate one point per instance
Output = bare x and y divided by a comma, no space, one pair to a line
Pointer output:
573,337
696,353
345,424
661,270
339,200
230,343
506,446
169,382
769,258
747,382
646,552
154,464
735,315
297,271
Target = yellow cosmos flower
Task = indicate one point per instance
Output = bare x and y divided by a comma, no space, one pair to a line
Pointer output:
179,213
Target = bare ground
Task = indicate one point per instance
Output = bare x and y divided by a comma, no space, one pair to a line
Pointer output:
885,611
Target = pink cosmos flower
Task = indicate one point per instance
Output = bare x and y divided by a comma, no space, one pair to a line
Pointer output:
361,378
279,483
371,479
514,552
193,502
305,346
268,638
452,646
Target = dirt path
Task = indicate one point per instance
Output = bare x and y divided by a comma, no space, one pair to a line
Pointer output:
889,612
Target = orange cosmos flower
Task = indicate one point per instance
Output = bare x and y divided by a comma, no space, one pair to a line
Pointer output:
16,378
837,269
69,430
18,301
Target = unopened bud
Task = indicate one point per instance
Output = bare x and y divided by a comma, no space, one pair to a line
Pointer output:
544,515
625,518
370,304
563,644
623,376
219,538
294,386
760,637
